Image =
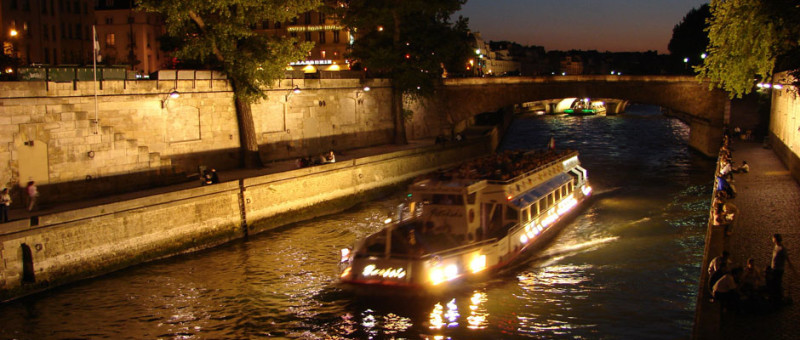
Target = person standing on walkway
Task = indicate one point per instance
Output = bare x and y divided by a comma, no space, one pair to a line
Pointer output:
779,261
33,193
5,202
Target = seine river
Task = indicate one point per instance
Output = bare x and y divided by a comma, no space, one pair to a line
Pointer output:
626,268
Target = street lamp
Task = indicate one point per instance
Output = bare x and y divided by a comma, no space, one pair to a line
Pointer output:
172,94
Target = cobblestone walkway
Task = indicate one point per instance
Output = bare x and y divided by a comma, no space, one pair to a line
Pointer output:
768,199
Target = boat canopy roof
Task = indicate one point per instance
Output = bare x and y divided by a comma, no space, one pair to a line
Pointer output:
531,196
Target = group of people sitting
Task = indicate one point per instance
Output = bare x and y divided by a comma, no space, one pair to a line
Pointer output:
724,211
505,165
748,288
209,177
323,158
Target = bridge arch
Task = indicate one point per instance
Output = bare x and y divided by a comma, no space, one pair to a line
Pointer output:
684,97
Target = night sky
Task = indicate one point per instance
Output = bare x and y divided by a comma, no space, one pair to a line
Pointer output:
603,25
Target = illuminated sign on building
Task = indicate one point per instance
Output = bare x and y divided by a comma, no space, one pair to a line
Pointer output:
314,28
312,62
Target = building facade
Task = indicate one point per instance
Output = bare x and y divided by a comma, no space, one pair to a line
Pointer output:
53,32
129,37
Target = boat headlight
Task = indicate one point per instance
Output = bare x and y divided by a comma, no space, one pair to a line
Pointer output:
523,238
587,190
437,275
478,263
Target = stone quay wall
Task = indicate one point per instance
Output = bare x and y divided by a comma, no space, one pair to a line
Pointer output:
133,135
784,127
73,245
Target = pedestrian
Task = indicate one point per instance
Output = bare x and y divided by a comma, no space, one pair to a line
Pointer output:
5,202
780,259
33,194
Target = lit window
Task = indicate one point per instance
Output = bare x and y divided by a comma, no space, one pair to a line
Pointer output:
110,39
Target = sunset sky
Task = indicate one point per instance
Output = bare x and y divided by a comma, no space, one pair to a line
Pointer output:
603,25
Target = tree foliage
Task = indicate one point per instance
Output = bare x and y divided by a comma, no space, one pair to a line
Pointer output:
747,40
219,33
689,37
410,41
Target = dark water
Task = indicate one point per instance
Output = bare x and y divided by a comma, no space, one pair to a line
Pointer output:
625,268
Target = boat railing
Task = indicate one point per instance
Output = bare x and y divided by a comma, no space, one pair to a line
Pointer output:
538,168
461,249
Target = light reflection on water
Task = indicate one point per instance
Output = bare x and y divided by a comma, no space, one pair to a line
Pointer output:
626,267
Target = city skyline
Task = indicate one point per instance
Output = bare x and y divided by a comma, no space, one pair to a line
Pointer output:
612,25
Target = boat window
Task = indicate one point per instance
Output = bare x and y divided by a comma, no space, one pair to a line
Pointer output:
550,199
512,214
448,199
544,203
535,209
526,215
471,198
558,194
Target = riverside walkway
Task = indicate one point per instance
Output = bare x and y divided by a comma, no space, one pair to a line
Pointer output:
19,213
768,199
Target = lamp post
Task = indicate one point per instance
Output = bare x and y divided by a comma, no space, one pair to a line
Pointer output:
172,94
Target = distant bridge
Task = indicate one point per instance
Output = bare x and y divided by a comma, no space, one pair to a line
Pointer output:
684,97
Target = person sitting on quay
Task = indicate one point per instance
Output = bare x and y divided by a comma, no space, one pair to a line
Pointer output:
726,290
718,267
753,280
330,157
744,168
727,188
725,169
214,176
725,217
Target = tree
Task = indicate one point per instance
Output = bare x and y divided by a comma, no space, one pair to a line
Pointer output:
689,37
748,41
220,33
410,41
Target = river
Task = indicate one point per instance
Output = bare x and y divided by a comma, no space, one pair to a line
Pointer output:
626,267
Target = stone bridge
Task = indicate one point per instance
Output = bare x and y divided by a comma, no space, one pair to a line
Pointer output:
683,97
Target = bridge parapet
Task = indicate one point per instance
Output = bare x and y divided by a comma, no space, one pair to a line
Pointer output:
698,106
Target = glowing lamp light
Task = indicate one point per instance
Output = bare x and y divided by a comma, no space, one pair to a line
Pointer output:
13,33
523,239
586,190
380,28
509,197
703,55
777,86
387,221
366,89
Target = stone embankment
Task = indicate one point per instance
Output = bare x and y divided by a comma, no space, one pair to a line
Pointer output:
63,246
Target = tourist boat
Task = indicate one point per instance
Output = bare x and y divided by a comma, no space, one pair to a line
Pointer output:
469,220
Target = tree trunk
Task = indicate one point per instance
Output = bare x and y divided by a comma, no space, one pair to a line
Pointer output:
247,135
397,94
399,122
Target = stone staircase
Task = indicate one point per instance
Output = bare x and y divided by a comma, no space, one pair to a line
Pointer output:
86,150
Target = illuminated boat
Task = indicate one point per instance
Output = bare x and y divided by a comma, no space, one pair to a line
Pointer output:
469,220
